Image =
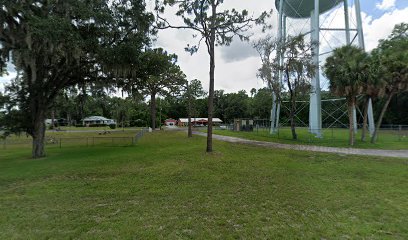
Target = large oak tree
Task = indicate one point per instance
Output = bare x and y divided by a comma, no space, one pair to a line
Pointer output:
158,74
55,44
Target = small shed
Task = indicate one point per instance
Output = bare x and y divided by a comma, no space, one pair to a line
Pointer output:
198,121
243,124
170,122
97,120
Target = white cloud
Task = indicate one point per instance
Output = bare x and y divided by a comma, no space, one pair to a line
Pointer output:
381,28
385,4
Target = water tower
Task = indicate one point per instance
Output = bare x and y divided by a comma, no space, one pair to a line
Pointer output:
312,9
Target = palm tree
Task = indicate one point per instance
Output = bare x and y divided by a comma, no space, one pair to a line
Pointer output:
392,58
347,70
373,88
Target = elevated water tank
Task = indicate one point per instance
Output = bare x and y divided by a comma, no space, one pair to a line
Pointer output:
303,8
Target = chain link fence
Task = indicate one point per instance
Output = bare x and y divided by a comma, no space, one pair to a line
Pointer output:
60,142
387,133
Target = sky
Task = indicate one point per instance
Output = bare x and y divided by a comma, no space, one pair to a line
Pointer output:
237,64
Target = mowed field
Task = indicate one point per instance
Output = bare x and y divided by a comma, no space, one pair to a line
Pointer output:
166,186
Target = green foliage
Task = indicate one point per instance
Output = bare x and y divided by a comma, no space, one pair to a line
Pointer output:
57,44
161,73
193,90
392,60
262,103
130,111
392,63
397,112
347,71
286,65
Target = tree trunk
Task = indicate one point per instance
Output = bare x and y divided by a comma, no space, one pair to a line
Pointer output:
212,72
351,103
38,133
69,119
292,120
153,110
293,106
379,122
38,107
365,118
190,131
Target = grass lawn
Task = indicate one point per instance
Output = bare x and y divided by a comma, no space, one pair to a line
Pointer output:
166,186
387,139
84,138
107,128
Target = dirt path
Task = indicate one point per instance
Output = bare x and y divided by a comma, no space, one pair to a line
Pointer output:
353,151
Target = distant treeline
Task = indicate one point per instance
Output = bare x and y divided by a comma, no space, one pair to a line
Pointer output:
255,105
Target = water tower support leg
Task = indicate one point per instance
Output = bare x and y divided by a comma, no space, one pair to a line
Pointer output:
355,127
315,108
371,123
273,113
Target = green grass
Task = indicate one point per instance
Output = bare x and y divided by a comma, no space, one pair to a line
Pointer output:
331,138
107,128
85,138
168,187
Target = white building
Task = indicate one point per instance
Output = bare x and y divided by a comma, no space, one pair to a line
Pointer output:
198,121
97,120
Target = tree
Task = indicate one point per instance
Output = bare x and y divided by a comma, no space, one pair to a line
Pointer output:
392,56
236,105
347,70
373,88
215,27
262,103
57,44
3,100
253,92
220,104
161,76
267,49
194,90
297,68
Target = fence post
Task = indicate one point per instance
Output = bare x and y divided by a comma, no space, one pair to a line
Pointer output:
133,141
399,132
93,141
87,144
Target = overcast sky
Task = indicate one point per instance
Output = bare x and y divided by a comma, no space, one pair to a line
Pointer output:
236,65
